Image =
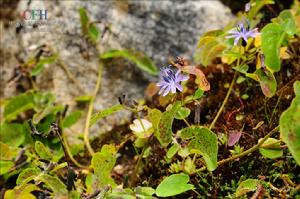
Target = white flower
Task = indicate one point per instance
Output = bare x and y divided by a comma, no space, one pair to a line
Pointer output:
142,131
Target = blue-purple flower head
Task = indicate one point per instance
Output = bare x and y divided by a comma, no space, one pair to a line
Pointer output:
242,31
170,81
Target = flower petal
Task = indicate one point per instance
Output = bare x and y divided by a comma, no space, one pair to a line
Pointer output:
178,86
167,90
236,40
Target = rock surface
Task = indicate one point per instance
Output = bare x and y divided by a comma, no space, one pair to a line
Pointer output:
161,29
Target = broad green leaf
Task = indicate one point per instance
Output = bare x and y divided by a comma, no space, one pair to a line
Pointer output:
172,150
71,119
271,148
5,166
42,151
44,125
286,20
105,113
290,125
103,163
140,59
246,186
17,105
55,184
165,124
182,113
267,82
7,152
174,185
27,175
84,20
12,134
272,37
21,192
204,142
154,117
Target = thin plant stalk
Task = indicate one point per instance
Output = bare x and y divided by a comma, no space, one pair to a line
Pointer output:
251,150
90,110
226,97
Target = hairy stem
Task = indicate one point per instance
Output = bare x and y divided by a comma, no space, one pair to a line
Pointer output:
90,110
252,149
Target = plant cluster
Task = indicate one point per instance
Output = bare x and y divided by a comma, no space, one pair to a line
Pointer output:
38,160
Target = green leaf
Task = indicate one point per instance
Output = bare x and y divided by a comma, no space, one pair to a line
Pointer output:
271,148
242,68
287,21
198,94
12,134
154,117
37,69
290,125
5,166
27,175
37,117
71,119
172,150
7,152
41,64
55,184
140,59
267,82
42,151
103,163
93,33
246,186
204,142
83,98
84,20
165,124
182,113
174,185
209,47
21,192
142,192
272,37
97,116
17,105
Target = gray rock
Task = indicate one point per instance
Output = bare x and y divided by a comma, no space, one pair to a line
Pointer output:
162,29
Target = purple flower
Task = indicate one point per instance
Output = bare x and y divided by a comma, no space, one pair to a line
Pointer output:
247,7
242,32
170,81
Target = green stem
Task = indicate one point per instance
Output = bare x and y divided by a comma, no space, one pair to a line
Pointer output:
70,154
224,101
90,110
252,149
